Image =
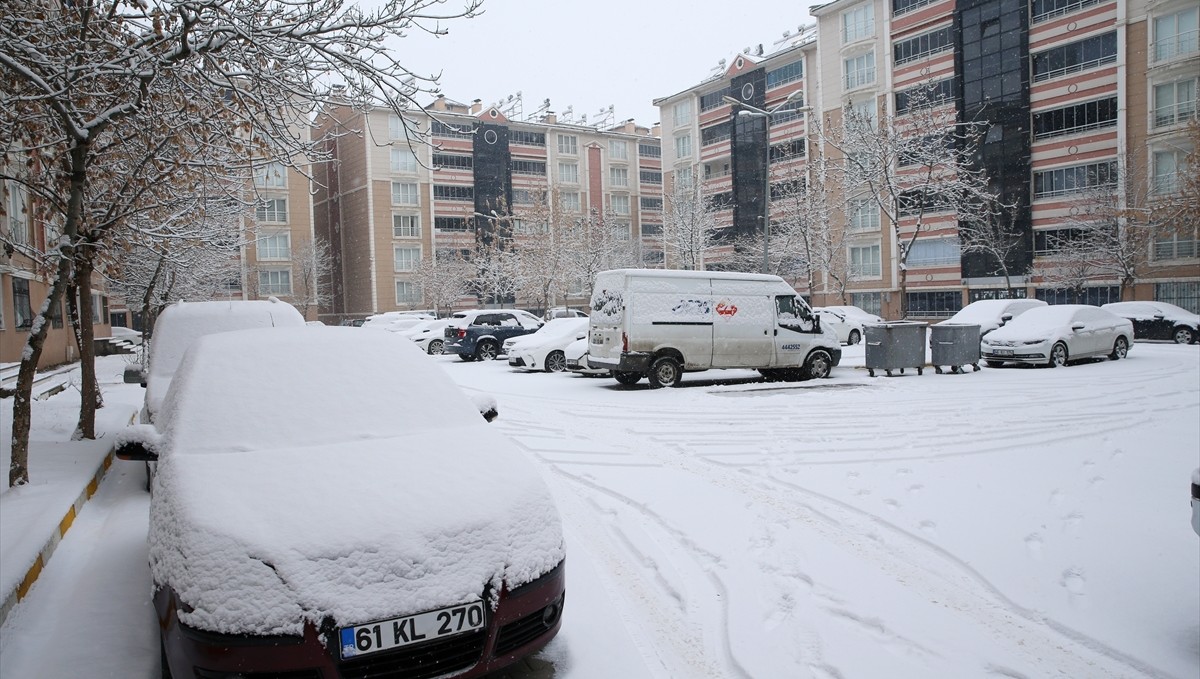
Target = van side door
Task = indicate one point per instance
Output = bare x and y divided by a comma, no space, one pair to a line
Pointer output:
743,328
795,328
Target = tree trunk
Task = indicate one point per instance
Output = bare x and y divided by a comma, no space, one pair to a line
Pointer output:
90,392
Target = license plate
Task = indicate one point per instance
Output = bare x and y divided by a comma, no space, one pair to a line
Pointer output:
597,339
1004,352
411,629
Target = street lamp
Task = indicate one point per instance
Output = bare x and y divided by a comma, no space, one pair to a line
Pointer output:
748,110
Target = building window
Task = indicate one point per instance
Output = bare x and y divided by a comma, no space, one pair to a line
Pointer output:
1095,295
1050,242
863,111
683,146
1177,34
1066,180
649,204
22,309
682,113
1044,10
926,95
450,161
451,192
649,150
275,282
1174,102
1166,171
1176,244
858,23
440,129
406,226
569,201
272,210
568,144
618,176
404,194
618,150
619,204
99,309
1186,295
650,176
863,214
406,259
784,74
396,127
934,304
451,224
278,246
533,168
870,302
407,294
934,252
924,45
860,70
273,175
713,99
651,229
568,173
403,160
1091,115
527,138
715,133
864,262
684,177
1074,57
16,213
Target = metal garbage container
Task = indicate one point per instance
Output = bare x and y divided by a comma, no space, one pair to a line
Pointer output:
955,345
895,346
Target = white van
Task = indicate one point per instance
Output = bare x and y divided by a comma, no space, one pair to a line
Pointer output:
660,323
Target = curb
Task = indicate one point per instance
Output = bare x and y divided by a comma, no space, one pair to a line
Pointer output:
43,558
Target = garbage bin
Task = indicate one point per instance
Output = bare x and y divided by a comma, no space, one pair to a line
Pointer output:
955,345
895,346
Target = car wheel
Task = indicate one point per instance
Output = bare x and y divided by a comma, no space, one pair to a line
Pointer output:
1058,355
994,364
486,351
818,365
556,362
665,372
435,347
467,357
626,378
1120,349
854,338
1184,335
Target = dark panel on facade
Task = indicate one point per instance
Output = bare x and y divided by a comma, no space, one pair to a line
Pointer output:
992,67
749,151
493,178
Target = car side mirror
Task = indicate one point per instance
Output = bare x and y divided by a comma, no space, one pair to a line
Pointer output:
1159,317
1005,318
139,442
135,451
1077,327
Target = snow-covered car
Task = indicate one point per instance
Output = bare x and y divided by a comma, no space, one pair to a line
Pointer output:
576,354
1159,321
1053,335
863,317
544,349
563,312
990,314
849,329
429,335
479,334
396,321
312,535
1196,500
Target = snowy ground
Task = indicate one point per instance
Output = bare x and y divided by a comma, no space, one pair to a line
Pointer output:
1007,523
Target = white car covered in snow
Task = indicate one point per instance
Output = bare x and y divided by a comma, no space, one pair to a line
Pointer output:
396,321
545,349
311,534
576,354
1054,335
849,329
429,335
990,314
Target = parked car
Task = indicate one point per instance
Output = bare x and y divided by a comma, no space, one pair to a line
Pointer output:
544,349
312,535
478,335
1053,335
1196,500
990,314
1159,321
576,354
849,329
563,312
429,335
863,317
396,321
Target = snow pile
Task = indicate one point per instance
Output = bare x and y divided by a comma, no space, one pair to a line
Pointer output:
382,495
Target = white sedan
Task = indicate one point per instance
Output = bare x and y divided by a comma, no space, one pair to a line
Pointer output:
576,353
544,349
1053,335
849,329
429,335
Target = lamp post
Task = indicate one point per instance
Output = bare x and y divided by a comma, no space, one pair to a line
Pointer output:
765,114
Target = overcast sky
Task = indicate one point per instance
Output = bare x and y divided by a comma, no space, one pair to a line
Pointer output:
589,55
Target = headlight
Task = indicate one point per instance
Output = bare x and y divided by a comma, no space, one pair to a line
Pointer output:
1029,342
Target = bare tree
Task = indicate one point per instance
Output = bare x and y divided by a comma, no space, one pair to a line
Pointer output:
992,233
600,241
444,278
542,254
134,98
690,225
312,279
1075,262
917,164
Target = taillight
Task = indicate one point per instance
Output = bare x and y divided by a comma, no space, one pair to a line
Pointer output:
462,332
624,342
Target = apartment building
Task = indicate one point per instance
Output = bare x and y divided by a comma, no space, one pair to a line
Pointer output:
400,191
1081,96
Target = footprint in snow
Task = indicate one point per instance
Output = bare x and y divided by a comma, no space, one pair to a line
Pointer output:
916,488
1033,545
929,528
891,504
1074,582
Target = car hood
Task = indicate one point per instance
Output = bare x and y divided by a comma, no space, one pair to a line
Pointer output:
1027,332
260,542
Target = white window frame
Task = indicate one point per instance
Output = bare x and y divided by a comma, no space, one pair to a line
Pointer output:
619,204
866,109
945,251
683,146
618,176
272,175
17,213
1166,182
1182,106
406,258
570,201
275,247
413,296
858,71
618,149
405,193
396,127
862,268
1184,36
403,159
681,113
281,286
863,214
568,173
272,210
568,144
858,22
406,226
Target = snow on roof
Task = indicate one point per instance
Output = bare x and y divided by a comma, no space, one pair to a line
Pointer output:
331,472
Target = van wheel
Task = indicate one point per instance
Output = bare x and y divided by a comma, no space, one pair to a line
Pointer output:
665,372
818,365
626,378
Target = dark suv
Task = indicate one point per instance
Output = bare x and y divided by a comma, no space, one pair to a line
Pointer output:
478,335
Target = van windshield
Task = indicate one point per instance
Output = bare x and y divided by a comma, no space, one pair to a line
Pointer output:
790,314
